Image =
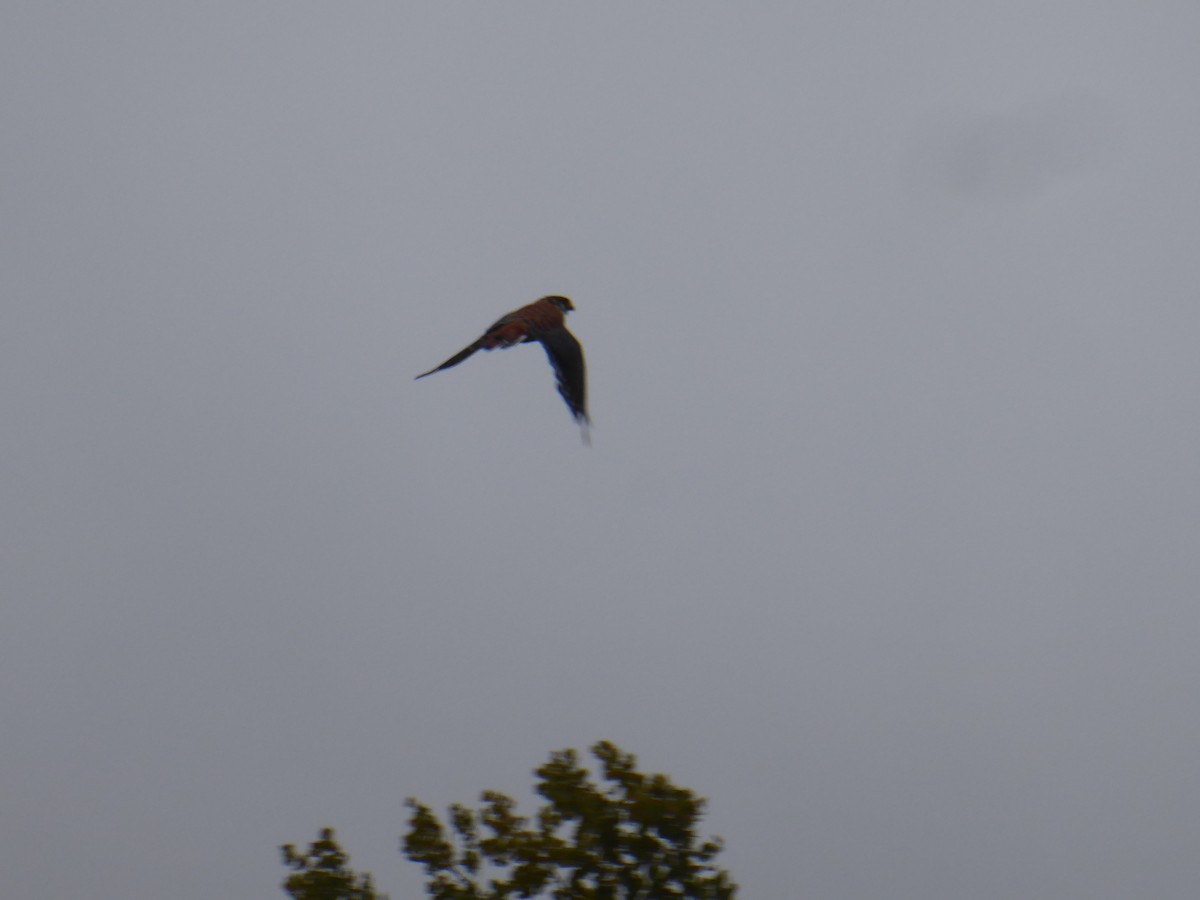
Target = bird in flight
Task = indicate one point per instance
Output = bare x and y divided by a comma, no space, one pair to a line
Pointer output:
544,321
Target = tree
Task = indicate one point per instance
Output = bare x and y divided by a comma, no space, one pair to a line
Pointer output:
322,874
632,838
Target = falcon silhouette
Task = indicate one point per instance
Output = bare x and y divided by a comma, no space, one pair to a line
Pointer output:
543,321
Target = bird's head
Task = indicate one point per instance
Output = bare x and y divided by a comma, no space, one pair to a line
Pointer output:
562,303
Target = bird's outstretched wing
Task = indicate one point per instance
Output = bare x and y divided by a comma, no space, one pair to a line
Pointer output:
566,355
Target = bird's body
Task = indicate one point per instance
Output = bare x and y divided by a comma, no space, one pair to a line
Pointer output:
543,321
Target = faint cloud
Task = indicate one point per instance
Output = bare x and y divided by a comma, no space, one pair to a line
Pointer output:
1015,152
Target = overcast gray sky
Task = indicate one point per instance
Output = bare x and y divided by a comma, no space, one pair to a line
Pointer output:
889,539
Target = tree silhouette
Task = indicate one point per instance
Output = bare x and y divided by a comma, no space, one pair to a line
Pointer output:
631,838
322,874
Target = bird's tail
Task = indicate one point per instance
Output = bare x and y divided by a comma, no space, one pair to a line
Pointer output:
455,359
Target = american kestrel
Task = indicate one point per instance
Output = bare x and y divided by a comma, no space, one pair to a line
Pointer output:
543,321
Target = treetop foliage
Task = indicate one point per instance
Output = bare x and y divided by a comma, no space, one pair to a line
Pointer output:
631,837
322,873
